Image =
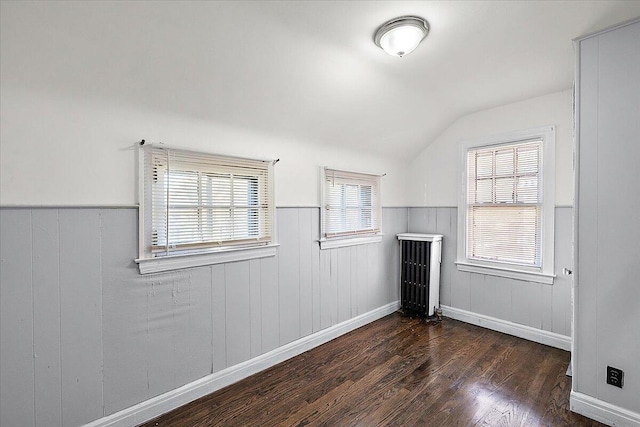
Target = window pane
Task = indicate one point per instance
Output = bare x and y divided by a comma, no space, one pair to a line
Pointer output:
504,190
351,198
352,219
216,189
241,223
528,189
216,224
254,221
504,161
507,234
334,196
183,226
240,191
183,188
366,216
528,158
365,196
484,164
245,191
484,191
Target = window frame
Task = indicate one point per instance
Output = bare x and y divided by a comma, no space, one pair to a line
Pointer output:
545,273
351,237
212,254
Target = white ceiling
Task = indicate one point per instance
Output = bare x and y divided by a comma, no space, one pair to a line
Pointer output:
305,70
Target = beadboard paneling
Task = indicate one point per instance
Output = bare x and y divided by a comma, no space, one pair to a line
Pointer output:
16,319
81,315
46,317
607,291
84,335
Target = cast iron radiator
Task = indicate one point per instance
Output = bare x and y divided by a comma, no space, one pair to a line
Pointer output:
420,273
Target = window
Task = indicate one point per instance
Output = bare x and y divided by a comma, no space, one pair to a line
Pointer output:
351,208
507,208
203,204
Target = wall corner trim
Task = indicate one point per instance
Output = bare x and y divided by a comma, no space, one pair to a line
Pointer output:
175,398
552,339
602,411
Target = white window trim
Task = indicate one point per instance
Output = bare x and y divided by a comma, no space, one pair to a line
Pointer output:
349,241
511,273
546,274
180,261
344,241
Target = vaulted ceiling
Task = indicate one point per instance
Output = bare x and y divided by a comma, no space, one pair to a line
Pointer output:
306,70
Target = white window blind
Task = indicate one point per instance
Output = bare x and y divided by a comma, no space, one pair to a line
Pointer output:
505,203
196,201
351,204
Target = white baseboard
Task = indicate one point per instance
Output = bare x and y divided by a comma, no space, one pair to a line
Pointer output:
602,411
166,402
527,332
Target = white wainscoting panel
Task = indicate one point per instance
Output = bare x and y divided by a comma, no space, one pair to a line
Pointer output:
166,402
85,336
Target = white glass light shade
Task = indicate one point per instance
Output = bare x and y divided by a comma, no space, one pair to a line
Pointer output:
401,40
401,35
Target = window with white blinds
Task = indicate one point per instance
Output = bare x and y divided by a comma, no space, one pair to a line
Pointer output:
196,202
351,204
506,207
504,203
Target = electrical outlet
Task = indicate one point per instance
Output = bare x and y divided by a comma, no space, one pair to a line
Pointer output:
615,376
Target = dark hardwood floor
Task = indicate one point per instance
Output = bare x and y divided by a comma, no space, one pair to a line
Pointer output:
400,371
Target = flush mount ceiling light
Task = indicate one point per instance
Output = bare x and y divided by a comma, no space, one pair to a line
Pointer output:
401,35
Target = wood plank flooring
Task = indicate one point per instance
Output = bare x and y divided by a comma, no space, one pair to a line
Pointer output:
400,371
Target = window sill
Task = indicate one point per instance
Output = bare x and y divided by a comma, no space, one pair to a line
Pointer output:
349,241
178,262
511,273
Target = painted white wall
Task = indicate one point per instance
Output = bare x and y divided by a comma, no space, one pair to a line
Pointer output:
81,83
434,173
67,150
